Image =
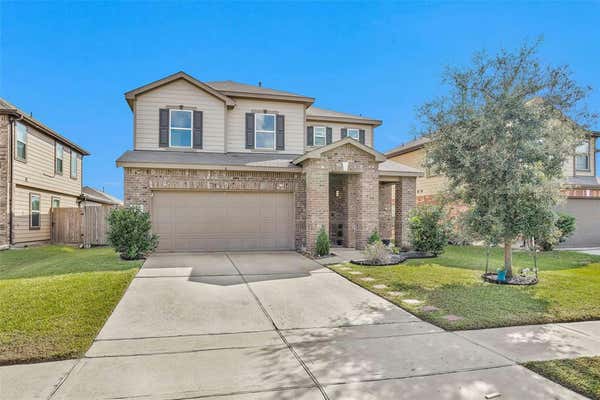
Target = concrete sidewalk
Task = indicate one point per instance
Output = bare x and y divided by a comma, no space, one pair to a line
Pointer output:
256,326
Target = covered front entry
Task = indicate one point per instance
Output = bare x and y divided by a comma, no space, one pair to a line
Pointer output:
219,221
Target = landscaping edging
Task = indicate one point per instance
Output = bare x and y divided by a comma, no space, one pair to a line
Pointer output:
517,280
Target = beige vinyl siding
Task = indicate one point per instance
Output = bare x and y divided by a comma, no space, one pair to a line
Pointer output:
21,231
294,124
38,169
336,133
173,95
569,165
426,185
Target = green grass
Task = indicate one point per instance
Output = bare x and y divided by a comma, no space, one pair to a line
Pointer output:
569,291
580,374
52,307
56,260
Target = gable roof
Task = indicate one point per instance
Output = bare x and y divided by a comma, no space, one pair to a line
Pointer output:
130,95
97,196
407,147
237,89
8,108
316,153
320,114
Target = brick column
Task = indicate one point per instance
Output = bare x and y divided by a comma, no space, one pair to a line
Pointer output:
4,181
368,199
386,211
406,200
317,202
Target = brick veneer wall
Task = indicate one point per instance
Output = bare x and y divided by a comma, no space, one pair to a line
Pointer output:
4,181
405,201
140,182
338,208
363,193
386,210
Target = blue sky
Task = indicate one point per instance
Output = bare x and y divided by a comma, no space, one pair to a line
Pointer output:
70,63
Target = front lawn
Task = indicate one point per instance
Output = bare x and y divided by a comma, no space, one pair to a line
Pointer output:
55,299
569,290
580,374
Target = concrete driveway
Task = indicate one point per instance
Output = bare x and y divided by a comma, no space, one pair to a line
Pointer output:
256,326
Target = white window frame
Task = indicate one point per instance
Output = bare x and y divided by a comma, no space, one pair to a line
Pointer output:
324,136
17,141
61,158
74,157
54,198
191,129
274,131
583,154
354,130
32,211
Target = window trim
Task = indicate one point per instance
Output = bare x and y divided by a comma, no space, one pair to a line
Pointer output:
315,135
191,129
75,155
31,211
62,159
263,131
584,154
52,202
24,159
353,129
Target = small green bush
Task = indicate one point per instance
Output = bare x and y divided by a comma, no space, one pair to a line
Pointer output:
322,243
428,231
374,238
565,225
129,232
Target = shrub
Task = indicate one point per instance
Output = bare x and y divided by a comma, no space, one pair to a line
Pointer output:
129,232
377,253
322,243
428,231
565,226
374,238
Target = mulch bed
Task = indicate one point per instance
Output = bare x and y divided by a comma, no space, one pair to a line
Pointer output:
394,259
520,280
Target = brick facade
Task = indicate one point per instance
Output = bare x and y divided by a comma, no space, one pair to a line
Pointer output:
140,182
4,180
386,210
404,202
338,209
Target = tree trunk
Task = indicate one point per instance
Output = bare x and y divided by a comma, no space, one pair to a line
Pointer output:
508,258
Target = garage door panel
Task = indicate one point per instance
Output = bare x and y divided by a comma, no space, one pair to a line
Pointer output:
587,222
219,221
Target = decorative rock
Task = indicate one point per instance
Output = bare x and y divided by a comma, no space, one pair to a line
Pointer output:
412,301
355,273
367,279
395,294
452,318
429,308
380,286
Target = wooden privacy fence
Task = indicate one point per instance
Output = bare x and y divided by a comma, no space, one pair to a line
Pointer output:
86,226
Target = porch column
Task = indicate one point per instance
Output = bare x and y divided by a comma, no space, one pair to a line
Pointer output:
317,202
386,211
406,200
367,212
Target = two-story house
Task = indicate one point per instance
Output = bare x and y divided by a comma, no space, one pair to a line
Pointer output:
230,166
581,186
39,169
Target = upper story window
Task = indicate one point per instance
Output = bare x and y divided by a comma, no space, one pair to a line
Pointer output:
319,136
264,125
74,157
21,141
58,162
180,129
353,133
582,156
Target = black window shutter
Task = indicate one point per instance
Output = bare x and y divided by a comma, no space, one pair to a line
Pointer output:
280,132
249,130
344,132
197,130
361,136
329,135
163,127
309,135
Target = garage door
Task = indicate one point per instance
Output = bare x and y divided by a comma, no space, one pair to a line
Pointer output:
217,221
587,215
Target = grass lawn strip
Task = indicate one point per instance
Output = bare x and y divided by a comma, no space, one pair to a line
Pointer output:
51,316
581,375
566,292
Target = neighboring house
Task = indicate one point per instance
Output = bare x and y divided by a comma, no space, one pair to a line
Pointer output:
581,186
230,166
39,169
93,197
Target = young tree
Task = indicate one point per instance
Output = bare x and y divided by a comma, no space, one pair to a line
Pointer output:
502,135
